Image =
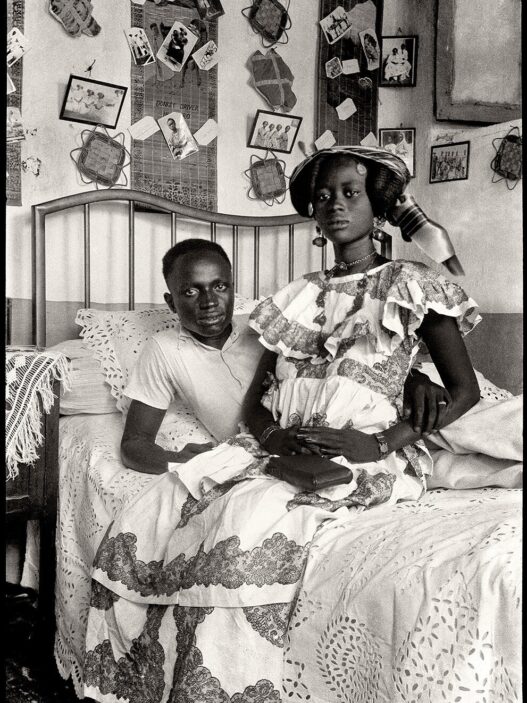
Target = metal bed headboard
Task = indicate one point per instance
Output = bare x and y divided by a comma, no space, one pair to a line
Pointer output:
158,204
177,211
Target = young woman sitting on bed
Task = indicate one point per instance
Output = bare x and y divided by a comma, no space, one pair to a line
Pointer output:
340,343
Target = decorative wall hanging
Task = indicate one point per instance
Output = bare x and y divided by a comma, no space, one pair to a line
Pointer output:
507,164
401,142
102,158
268,179
272,78
449,162
270,19
15,18
399,61
355,81
155,91
92,102
75,16
271,130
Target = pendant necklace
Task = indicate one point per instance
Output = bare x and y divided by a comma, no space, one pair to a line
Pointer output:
347,265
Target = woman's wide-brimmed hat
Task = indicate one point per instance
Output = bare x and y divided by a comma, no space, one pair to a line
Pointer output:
386,181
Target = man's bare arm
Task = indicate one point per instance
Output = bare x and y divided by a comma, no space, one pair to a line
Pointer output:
139,450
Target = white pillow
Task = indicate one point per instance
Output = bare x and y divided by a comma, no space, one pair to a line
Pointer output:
89,392
117,338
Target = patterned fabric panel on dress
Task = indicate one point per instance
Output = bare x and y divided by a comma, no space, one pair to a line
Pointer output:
345,346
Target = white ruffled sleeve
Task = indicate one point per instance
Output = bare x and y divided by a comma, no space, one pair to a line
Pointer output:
415,290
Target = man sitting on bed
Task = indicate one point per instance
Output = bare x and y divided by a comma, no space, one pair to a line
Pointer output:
209,360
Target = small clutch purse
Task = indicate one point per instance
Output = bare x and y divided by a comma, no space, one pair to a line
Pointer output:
308,471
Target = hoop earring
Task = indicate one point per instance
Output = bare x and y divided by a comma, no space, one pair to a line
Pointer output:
319,240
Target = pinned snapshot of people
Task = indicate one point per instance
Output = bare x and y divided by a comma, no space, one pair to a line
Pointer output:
92,102
274,131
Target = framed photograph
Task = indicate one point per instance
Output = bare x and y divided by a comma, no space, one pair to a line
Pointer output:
401,142
92,102
209,9
449,162
399,61
272,130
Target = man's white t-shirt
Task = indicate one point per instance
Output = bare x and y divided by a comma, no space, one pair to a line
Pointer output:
213,382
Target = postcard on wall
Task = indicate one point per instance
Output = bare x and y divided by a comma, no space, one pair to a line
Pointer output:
209,9
334,67
336,24
207,132
139,45
10,85
177,135
143,128
207,56
177,46
17,45
346,109
371,49
14,128
325,140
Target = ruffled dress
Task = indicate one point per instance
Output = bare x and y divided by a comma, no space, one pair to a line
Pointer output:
345,346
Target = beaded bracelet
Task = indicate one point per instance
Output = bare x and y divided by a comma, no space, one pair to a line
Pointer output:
268,432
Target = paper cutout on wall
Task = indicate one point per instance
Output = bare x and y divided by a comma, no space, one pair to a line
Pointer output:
75,16
32,165
325,140
207,132
273,79
144,128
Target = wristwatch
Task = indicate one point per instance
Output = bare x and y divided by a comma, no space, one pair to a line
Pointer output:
383,445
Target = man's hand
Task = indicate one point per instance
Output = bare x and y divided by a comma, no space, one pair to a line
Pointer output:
284,442
425,403
188,452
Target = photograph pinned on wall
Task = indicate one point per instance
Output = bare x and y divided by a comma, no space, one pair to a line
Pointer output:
209,9
274,131
401,142
335,25
17,45
207,56
14,127
399,61
92,102
177,46
449,162
334,67
11,87
139,45
370,46
177,135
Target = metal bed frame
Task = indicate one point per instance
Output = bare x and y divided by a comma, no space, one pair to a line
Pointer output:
156,204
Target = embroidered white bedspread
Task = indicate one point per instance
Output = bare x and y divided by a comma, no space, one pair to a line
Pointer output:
419,601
